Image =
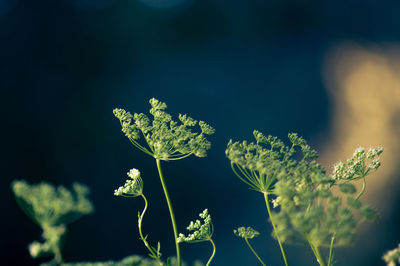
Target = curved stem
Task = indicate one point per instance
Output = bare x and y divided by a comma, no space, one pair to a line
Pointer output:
151,250
362,189
213,253
171,212
254,252
274,227
331,250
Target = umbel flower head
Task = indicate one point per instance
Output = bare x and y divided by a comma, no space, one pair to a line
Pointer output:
247,233
133,187
260,164
45,204
362,163
166,139
51,208
202,231
305,206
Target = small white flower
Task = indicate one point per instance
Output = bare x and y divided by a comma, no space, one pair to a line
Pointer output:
134,173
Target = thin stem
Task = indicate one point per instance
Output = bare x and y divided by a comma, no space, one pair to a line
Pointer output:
181,157
151,250
254,252
331,250
171,212
213,253
241,178
140,147
317,254
362,189
274,227
57,255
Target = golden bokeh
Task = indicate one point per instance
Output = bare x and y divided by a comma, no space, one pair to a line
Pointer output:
364,84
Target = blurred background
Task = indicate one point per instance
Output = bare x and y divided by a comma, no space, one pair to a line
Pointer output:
327,70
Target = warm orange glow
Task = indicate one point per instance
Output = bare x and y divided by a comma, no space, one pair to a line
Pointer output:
365,89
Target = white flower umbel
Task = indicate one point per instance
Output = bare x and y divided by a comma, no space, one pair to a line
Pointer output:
203,231
133,187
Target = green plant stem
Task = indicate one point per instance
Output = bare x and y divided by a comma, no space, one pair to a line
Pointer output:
213,253
362,189
254,252
57,255
317,254
274,227
331,250
171,212
151,250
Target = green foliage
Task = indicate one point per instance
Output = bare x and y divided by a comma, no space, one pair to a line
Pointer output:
133,188
51,208
392,257
166,139
45,204
305,207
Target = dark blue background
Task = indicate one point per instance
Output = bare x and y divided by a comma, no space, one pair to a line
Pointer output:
239,65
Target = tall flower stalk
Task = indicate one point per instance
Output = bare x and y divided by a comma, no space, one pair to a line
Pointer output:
165,140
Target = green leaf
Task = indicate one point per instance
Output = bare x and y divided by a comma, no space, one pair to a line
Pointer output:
347,188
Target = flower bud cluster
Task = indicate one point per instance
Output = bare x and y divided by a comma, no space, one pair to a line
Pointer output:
133,187
244,232
203,231
357,166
